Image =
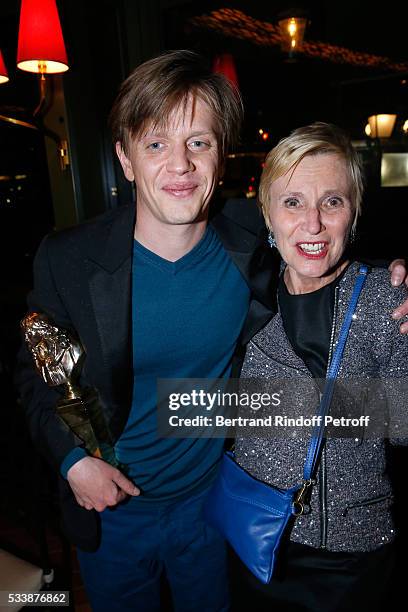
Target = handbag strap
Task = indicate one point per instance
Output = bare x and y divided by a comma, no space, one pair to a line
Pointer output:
317,437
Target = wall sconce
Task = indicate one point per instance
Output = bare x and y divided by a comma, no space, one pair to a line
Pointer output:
292,29
41,47
380,126
41,50
3,70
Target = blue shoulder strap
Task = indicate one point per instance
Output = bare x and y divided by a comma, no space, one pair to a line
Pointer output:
317,437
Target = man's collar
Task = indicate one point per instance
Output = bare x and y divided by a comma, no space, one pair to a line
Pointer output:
113,243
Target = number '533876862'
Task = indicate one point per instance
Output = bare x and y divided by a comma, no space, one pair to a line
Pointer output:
39,598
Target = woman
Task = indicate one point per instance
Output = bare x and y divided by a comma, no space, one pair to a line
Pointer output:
340,554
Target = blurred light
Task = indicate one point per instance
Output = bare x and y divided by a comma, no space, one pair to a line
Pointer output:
367,129
381,126
41,46
224,64
394,170
405,127
265,135
292,30
15,121
261,132
3,70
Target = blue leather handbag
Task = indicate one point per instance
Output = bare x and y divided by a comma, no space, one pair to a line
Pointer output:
251,515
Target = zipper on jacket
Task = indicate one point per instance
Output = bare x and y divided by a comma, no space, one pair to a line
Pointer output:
368,502
323,498
323,463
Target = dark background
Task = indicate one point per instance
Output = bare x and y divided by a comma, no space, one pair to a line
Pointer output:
105,39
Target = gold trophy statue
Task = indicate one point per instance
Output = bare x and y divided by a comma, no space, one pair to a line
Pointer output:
58,357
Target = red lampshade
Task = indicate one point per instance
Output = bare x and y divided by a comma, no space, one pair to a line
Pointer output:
3,70
224,64
40,43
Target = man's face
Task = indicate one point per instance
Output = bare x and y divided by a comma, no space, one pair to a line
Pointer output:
175,170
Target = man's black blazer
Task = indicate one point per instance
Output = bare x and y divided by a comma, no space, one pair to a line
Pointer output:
82,281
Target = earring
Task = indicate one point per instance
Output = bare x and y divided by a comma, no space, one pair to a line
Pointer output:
271,240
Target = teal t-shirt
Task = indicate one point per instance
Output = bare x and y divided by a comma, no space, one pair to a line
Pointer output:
187,316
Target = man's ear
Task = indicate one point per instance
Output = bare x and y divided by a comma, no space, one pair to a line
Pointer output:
124,162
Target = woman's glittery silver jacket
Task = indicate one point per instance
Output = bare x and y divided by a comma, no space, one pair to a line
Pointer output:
350,504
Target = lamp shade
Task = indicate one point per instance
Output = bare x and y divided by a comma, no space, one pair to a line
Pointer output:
40,43
224,64
3,70
381,126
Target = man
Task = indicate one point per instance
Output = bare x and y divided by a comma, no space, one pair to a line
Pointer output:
165,295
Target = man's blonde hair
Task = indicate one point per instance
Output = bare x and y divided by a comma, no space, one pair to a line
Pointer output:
165,83
314,139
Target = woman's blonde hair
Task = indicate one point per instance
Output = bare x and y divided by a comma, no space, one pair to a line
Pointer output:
314,139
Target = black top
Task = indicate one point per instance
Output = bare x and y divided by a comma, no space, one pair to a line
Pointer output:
307,320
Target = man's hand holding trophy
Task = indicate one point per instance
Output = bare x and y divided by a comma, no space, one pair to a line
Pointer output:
58,357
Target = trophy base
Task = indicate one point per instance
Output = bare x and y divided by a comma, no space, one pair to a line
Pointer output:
86,419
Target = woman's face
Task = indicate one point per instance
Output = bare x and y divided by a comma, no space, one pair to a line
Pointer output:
311,215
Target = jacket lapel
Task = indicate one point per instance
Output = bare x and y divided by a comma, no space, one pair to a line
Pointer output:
258,264
110,285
